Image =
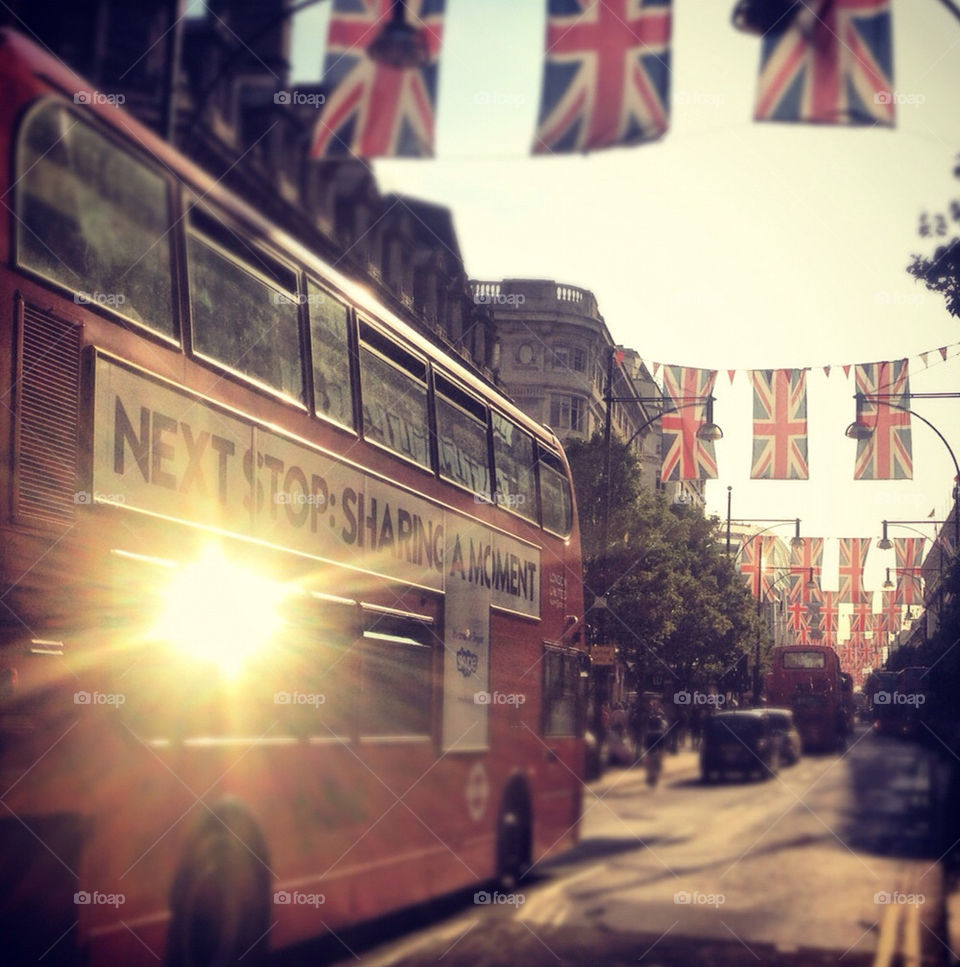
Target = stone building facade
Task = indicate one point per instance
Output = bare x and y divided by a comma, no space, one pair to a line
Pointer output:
555,348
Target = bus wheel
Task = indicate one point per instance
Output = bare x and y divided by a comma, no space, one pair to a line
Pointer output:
514,848
220,901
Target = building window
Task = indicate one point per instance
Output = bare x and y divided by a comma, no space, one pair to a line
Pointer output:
566,358
525,354
567,413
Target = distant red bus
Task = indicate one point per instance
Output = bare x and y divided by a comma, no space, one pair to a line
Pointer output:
808,679
288,597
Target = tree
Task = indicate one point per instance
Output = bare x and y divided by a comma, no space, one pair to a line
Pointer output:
940,271
675,603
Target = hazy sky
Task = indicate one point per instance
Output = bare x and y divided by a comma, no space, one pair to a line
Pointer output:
726,245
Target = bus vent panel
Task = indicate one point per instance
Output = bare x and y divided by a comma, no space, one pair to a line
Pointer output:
47,394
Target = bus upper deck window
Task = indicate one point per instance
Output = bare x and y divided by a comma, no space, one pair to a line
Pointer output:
514,460
93,218
555,495
331,356
243,306
462,437
394,389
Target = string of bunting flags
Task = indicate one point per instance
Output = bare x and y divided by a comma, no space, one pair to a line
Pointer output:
780,420
606,75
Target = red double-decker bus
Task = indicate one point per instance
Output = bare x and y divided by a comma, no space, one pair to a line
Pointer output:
808,679
288,598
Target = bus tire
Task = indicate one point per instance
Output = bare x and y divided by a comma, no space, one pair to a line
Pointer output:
514,841
220,899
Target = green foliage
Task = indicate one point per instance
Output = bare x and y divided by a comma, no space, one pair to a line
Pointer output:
940,271
675,604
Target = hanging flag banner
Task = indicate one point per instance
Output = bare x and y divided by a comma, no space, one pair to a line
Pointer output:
806,564
886,453
373,110
853,555
606,77
829,616
779,424
909,554
754,551
685,455
861,621
829,63
890,612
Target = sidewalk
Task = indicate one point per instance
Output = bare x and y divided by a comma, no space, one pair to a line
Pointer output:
684,764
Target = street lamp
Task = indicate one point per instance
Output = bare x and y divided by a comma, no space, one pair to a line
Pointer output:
708,431
861,430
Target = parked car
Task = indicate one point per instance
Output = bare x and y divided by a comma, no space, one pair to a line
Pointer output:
744,741
791,745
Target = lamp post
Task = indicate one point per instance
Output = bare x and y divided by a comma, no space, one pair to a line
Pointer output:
707,431
861,430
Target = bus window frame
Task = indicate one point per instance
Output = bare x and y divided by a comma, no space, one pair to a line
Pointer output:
366,319
173,210
190,200
352,360
534,521
562,471
439,373
367,635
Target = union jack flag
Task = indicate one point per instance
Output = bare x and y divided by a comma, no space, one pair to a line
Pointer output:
909,553
606,76
373,110
829,616
861,621
806,563
754,551
685,455
886,453
796,612
888,619
853,555
779,424
831,63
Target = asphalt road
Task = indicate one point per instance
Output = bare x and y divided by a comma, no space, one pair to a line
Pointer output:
832,862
